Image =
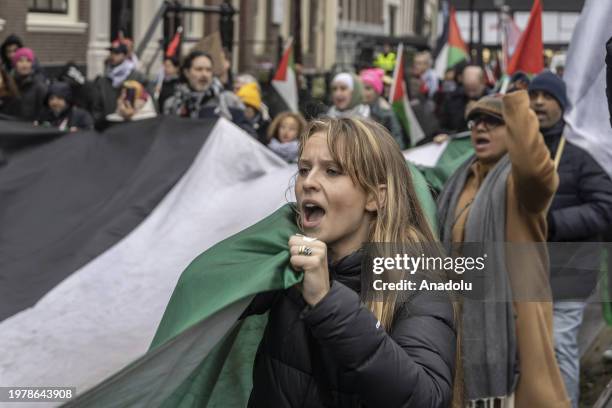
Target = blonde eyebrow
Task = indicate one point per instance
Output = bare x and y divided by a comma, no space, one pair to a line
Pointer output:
323,162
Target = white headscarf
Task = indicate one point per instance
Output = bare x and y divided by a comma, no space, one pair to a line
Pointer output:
346,79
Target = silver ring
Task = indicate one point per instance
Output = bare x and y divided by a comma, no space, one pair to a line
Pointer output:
304,250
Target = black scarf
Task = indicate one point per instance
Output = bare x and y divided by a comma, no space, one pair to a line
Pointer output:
553,135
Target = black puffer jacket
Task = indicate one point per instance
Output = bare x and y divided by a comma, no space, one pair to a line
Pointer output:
33,90
452,113
580,212
72,117
337,354
105,96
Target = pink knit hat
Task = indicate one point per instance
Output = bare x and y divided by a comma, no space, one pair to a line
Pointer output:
23,52
374,78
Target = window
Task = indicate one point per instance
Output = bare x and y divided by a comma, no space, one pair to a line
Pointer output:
54,16
48,6
392,20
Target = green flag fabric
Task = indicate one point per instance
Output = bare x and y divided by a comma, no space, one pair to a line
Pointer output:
459,149
202,353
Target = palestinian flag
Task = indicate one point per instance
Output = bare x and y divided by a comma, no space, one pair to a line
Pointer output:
96,229
585,76
203,353
398,98
453,50
174,45
284,81
511,35
529,53
437,162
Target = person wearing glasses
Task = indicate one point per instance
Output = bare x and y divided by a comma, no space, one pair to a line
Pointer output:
502,194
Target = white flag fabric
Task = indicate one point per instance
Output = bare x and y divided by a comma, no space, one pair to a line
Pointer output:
585,76
104,315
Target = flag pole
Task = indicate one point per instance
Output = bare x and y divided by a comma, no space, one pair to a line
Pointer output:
471,27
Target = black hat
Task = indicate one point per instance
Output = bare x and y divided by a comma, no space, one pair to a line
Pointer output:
60,89
553,85
118,48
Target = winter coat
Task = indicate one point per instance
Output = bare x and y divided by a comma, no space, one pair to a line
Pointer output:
381,112
581,211
72,117
167,90
260,125
105,95
424,110
213,103
33,91
10,106
336,354
529,191
82,91
452,114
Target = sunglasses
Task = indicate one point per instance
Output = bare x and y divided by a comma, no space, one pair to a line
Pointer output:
490,122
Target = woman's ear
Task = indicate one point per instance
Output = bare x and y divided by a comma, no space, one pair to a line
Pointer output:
378,200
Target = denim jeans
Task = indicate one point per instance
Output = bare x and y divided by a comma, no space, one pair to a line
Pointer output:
567,318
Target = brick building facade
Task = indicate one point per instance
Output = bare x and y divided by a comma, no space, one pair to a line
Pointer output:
55,39
326,32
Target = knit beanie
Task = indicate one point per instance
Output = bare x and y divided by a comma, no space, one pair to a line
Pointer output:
551,84
374,78
249,94
60,89
23,52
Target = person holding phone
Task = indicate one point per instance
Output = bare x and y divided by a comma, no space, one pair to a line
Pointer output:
134,103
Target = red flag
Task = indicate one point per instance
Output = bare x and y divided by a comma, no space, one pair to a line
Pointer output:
529,54
285,63
454,33
284,81
174,43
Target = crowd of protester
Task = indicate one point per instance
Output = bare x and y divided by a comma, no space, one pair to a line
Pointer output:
188,88
553,190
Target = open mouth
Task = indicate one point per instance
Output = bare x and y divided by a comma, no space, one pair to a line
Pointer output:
313,213
540,114
482,141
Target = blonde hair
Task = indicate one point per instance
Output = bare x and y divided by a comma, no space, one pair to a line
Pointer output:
278,120
370,156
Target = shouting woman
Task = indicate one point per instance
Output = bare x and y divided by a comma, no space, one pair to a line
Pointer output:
329,341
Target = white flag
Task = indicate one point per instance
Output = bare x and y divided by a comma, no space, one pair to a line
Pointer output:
585,76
